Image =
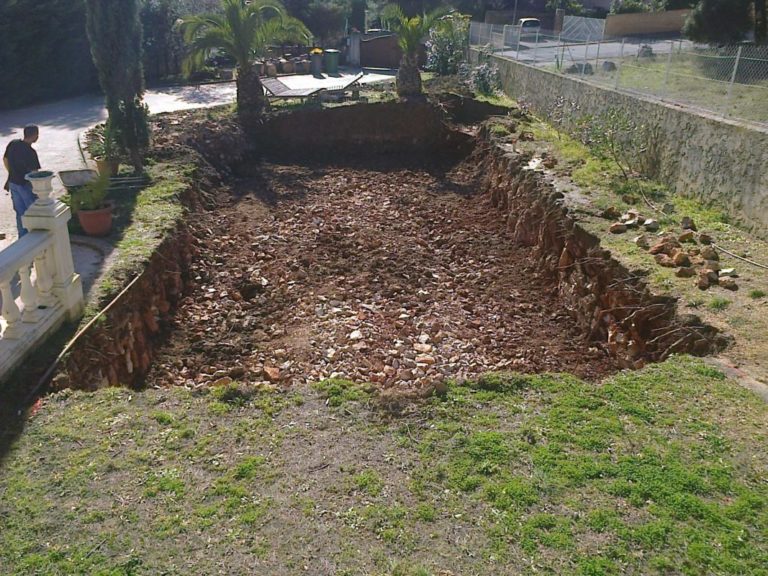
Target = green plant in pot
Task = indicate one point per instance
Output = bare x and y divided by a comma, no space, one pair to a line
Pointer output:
106,152
93,211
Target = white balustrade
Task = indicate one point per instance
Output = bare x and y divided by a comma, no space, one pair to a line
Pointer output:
38,284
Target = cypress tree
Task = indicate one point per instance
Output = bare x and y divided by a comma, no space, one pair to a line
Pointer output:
114,31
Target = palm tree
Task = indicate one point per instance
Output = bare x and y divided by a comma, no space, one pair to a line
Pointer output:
243,30
410,32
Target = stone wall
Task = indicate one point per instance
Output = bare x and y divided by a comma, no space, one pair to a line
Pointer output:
714,160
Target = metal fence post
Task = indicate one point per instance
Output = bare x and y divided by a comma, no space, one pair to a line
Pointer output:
597,56
727,108
621,64
665,88
586,57
519,35
536,47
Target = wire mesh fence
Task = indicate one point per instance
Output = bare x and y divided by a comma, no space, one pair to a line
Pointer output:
728,81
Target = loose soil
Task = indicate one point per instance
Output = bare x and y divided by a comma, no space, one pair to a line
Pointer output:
388,274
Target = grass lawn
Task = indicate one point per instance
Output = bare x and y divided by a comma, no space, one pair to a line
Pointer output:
661,471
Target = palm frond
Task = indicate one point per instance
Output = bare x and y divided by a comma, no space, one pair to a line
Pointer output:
242,30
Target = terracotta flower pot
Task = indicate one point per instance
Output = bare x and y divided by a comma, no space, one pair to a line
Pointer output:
107,167
96,222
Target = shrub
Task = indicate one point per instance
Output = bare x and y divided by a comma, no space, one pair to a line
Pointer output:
486,79
447,45
615,136
629,6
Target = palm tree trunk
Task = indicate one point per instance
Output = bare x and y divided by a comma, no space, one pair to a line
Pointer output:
251,101
408,76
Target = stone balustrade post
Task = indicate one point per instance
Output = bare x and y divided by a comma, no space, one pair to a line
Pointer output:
11,312
52,215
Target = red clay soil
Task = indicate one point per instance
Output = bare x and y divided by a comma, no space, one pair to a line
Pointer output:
399,277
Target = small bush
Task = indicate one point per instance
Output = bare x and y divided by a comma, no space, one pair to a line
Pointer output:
719,303
499,130
486,79
448,43
629,6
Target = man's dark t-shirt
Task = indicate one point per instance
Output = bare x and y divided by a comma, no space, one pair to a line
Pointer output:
22,159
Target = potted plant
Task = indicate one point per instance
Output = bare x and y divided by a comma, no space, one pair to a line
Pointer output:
106,153
93,211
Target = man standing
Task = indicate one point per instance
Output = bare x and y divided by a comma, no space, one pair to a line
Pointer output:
20,159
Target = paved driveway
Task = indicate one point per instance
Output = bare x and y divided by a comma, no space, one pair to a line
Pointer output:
549,50
61,123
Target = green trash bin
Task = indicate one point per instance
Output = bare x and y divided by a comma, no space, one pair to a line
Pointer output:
331,61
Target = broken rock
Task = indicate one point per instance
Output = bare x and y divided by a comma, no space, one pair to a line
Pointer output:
272,373
706,279
681,259
687,223
685,272
664,260
611,213
709,253
651,225
728,283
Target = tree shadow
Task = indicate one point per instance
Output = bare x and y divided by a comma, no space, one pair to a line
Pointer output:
74,113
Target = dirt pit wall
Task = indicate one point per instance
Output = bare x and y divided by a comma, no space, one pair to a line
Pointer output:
118,348
610,303
359,130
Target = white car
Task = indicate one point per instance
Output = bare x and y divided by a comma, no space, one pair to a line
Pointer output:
529,25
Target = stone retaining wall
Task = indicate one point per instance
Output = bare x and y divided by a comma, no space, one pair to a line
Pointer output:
714,160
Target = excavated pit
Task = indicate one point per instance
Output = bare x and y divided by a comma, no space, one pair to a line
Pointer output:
377,243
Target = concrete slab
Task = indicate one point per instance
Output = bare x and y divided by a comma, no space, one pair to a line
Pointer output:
91,257
330,82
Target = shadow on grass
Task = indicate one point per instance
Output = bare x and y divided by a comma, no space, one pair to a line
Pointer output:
28,383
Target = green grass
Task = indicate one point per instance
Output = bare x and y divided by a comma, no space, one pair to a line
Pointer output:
368,481
718,303
500,130
338,391
756,294
143,220
655,471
